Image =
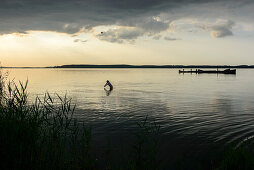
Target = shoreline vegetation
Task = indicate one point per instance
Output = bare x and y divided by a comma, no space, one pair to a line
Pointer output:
142,66
45,135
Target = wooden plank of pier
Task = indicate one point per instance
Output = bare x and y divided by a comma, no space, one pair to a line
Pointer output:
198,71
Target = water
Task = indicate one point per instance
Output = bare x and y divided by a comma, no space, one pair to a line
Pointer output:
198,114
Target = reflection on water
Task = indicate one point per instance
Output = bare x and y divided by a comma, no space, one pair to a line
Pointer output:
108,92
199,114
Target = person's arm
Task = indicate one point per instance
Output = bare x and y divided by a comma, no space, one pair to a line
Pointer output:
105,84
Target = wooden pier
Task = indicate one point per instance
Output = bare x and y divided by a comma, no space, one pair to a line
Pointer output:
198,71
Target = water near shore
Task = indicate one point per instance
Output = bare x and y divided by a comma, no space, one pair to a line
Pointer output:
198,114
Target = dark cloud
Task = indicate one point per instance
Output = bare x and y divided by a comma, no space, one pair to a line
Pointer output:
74,16
120,35
169,39
222,30
157,37
153,26
80,40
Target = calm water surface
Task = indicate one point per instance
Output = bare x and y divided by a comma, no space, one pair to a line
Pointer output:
198,114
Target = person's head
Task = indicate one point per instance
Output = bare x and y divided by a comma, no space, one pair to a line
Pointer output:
107,81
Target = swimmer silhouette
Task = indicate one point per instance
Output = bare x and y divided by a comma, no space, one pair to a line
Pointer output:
109,84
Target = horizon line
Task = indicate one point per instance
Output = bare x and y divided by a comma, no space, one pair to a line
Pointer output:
133,66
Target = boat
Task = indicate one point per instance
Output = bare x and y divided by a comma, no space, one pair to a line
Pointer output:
199,71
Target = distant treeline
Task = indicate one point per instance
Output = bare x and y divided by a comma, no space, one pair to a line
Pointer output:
152,66
142,66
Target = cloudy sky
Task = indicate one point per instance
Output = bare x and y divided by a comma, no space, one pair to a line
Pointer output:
56,32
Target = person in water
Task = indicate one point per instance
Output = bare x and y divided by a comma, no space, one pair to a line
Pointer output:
109,84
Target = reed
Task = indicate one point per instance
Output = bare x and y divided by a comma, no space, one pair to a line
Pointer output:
42,135
240,158
45,135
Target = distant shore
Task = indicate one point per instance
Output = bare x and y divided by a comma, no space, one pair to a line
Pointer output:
141,66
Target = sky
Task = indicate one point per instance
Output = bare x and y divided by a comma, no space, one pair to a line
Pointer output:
159,32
